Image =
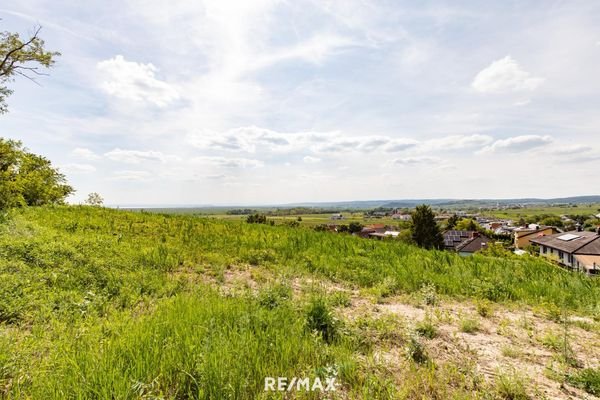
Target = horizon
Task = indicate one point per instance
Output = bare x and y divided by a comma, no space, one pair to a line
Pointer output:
268,102
340,203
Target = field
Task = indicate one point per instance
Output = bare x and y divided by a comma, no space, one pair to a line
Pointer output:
98,303
578,209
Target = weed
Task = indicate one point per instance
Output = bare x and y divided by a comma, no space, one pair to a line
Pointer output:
468,325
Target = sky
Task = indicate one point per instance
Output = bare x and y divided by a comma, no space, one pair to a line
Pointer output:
268,102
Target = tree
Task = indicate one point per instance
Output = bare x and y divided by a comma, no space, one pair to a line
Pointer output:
257,219
22,57
94,199
27,179
424,229
452,221
355,227
468,225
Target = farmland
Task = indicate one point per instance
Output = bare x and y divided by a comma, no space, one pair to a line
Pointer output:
98,303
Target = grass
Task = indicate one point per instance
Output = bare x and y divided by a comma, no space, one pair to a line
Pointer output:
97,303
587,379
469,325
511,386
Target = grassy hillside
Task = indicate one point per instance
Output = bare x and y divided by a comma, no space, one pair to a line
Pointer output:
100,303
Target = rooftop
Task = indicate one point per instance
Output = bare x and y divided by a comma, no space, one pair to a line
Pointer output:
571,242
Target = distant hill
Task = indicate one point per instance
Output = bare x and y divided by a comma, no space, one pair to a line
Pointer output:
448,203
390,203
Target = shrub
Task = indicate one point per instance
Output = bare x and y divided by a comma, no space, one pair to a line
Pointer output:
469,325
429,294
587,379
484,308
511,386
274,295
320,319
426,328
415,350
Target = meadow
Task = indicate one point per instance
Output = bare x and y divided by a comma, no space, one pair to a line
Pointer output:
99,303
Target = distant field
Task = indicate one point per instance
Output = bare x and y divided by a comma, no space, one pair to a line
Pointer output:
359,215
587,209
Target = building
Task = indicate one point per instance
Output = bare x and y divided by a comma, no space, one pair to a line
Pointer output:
576,250
336,216
402,217
524,235
465,243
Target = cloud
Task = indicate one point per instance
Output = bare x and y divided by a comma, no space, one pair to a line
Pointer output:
129,175
517,144
130,80
398,145
137,156
243,139
503,76
85,154
576,153
78,168
311,160
416,160
457,142
228,162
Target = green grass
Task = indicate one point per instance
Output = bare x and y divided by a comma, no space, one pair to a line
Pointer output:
587,379
95,302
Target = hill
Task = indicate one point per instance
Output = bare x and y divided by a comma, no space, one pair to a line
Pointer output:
101,303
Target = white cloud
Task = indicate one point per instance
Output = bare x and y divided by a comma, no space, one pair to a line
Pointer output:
457,142
77,168
131,175
517,144
130,80
85,154
244,139
311,160
397,145
416,160
505,75
228,162
137,156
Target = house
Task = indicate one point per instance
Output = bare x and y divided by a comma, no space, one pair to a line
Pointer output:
372,231
336,216
524,235
465,243
578,250
402,217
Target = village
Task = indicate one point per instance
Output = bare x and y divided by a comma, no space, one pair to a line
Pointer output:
572,243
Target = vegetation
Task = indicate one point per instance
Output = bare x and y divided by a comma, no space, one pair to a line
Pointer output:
28,179
21,57
425,231
587,379
97,303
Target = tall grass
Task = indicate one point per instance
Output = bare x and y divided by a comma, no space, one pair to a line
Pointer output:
98,303
122,257
192,346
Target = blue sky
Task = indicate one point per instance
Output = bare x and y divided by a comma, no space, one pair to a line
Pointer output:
261,102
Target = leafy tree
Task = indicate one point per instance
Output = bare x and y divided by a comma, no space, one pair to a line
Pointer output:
256,219
552,220
425,231
27,179
468,225
355,227
452,221
94,199
21,57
